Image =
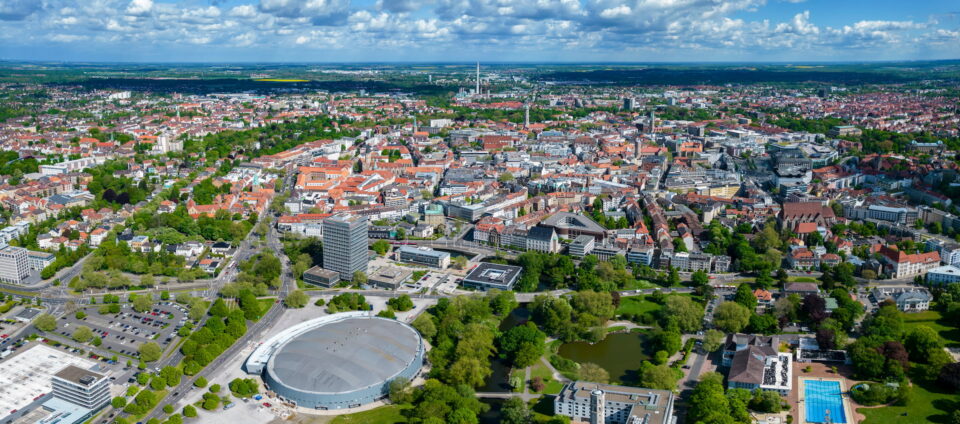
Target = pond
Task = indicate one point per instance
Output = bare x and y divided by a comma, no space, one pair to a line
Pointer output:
499,380
620,354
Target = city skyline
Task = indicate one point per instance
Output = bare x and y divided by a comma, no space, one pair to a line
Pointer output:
336,31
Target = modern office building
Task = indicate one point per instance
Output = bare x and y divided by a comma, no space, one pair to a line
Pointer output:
321,277
389,277
29,381
488,276
423,256
81,387
14,265
345,247
582,246
943,275
40,260
586,402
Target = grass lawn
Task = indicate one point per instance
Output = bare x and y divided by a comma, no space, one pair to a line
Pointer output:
417,275
925,406
389,414
934,320
637,305
802,279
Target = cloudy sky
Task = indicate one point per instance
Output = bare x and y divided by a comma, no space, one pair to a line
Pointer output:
486,30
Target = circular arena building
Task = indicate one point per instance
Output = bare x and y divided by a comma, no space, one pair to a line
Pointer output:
338,361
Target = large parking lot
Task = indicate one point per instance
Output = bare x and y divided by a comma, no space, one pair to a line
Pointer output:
123,333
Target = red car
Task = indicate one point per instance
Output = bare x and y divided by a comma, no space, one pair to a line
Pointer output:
267,404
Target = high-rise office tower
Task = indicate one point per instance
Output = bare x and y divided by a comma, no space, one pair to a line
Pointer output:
345,247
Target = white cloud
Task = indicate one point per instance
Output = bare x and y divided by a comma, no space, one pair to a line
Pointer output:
140,7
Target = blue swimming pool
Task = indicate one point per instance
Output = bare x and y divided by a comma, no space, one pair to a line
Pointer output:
823,398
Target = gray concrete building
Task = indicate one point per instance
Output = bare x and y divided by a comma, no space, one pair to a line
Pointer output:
345,247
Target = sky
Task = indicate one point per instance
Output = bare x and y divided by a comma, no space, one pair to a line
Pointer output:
479,30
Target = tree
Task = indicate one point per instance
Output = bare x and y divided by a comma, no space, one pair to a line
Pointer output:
200,382
707,402
522,345
219,308
189,411
685,312
745,297
359,278
142,303
118,402
459,262
402,303
713,340
296,299
950,376
660,377
782,277
45,322
82,334
731,317
766,401
400,391
80,315
514,411
424,324
814,308
381,247
922,343
149,352
171,375
765,324
699,278
593,373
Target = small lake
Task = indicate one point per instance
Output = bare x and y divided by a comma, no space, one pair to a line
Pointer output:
620,354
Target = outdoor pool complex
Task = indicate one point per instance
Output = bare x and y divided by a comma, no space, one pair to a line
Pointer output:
823,396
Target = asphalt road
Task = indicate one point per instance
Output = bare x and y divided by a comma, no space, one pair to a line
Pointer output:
253,331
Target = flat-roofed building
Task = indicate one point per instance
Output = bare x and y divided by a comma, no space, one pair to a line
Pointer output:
389,277
424,256
82,387
321,277
581,246
40,260
586,402
26,379
488,276
943,275
14,265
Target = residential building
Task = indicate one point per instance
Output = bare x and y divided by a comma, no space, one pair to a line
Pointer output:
488,276
586,402
345,247
761,367
423,256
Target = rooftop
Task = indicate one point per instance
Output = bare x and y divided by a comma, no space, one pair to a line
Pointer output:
28,375
346,355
